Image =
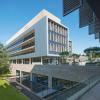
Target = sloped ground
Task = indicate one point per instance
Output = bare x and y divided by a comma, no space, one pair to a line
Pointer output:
7,92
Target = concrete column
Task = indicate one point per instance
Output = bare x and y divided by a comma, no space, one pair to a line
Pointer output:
41,60
31,76
16,61
22,61
49,81
48,61
21,76
29,60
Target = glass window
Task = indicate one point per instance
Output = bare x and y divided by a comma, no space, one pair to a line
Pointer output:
25,61
19,61
36,59
14,61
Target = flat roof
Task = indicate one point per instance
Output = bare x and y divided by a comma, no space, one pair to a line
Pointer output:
73,73
38,17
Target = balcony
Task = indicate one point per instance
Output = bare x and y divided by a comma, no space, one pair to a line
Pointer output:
22,44
29,49
20,38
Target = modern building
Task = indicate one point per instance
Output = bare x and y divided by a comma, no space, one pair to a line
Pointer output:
89,14
41,40
34,52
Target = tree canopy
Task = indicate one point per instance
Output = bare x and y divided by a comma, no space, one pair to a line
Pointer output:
63,56
92,52
4,59
92,49
65,53
75,55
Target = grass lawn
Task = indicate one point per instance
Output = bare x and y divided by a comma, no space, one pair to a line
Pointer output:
7,92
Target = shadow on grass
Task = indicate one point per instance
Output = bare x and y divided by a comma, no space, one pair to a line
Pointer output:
7,92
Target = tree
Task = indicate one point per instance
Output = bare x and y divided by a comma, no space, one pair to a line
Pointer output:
92,52
63,56
4,60
75,56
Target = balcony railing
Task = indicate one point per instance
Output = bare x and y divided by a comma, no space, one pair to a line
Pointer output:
23,50
22,44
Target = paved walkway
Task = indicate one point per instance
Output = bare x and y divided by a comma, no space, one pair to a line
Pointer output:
92,94
46,92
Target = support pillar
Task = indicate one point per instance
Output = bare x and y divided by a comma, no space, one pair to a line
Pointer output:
31,76
49,81
48,61
22,61
41,60
21,76
16,61
29,60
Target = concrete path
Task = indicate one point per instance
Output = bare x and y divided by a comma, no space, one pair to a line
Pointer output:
46,92
92,94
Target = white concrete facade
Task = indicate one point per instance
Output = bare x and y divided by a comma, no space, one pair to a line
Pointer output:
40,25
44,37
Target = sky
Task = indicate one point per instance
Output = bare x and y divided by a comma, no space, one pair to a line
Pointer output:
14,14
